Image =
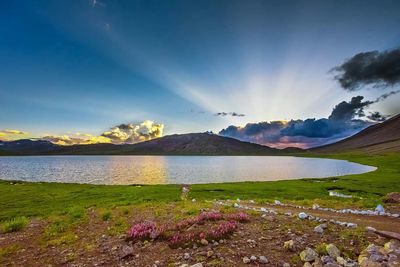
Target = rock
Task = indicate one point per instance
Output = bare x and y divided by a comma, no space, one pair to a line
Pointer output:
210,253
127,251
332,251
326,259
369,263
277,202
186,256
318,229
204,242
324,226
263,260
317,263
308,255
307,264
253,258
303,215
393,197
286,264
390,246
332,264
379,208
315,206
236,205
197,265
184,265
246,260
351,225
341,261
289,245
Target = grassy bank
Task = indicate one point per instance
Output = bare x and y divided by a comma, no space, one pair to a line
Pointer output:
44,199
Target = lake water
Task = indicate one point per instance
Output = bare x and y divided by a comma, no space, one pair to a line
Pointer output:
171,169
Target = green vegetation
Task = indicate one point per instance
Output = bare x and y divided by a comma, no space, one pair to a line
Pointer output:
371,187
14,225
48,199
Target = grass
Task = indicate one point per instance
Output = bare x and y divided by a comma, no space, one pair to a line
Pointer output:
368,188
49,199
15,224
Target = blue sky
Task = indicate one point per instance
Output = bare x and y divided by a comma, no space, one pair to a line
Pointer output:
84,66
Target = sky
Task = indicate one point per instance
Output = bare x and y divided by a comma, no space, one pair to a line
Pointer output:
91,71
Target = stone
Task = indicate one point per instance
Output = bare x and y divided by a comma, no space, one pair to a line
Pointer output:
289,245
236,205
332,251
317,263
325,259
379,208
246,260
307,264
332,264
186,256
308,255
341,261
324,226
197,265
253,258
210,253
263,260
127,251
315,206
369,263
286,264
303,215
390,246
393,197
318,229
277,202
184,265
204,242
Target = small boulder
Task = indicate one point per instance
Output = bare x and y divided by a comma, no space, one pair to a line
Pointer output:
318,229
393,197
263,260
289,245
246,260
308,255
307,264
332,251
379,208
303,215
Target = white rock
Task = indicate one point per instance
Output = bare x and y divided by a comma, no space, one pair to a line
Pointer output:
277,202
236,205
303,215
315,206
263,210
253,258
352,225
379,208
318,229
197,265
263,260
246,260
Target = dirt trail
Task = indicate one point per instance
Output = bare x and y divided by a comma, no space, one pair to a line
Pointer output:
379,222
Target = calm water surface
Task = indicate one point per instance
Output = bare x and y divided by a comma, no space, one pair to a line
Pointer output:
171,169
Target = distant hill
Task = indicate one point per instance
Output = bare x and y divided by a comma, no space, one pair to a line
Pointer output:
177,144
27,146
376,139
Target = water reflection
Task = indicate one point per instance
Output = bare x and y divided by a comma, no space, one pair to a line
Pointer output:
171,169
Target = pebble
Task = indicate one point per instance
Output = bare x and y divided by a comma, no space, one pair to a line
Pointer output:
204,242
246,260
186,256
318,229
303,215
263,260
253,258
197,265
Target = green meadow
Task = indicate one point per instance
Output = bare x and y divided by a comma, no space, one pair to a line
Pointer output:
24,199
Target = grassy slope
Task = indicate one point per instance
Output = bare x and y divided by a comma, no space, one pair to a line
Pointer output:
43,199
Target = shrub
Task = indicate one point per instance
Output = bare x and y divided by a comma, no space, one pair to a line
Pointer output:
15,224
145,230
106,216
239,217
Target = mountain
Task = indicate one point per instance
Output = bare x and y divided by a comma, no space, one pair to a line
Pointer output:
177,144
27,146
376,139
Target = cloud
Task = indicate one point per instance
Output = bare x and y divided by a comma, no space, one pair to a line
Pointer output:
9,134
76,139
134,133
120,134
384,96
233,114
381,69
348,110
343,122
377,116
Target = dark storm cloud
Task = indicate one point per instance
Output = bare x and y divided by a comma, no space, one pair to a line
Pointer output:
233,114
348,110
377,116
380,69
343,121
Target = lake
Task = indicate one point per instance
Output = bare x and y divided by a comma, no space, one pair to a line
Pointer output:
171,169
